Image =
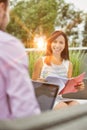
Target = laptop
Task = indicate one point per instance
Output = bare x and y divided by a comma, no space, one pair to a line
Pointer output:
46,94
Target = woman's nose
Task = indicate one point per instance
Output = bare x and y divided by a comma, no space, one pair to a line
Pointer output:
57,44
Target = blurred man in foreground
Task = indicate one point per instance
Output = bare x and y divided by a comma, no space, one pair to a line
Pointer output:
17,98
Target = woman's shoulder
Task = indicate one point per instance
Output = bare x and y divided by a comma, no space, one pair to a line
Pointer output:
40,60
67,63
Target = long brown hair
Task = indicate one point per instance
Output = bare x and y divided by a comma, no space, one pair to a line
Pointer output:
64,54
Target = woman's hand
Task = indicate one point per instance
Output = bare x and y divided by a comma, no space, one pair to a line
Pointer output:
41,79
80,86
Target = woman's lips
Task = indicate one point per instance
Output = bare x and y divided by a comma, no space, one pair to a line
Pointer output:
57,49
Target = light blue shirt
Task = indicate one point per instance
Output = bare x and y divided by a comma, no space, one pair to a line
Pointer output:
17,98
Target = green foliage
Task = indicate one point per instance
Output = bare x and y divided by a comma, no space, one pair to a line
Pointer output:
83,67
33,56
77,58
84,42
31,17
68,19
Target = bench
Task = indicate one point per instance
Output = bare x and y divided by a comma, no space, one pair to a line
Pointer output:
69,118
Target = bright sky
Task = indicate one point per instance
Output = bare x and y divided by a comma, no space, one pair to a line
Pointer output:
79,4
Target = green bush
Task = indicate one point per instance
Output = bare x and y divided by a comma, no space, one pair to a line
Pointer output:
77,59
33,56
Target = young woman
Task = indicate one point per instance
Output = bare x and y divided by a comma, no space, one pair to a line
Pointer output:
57,63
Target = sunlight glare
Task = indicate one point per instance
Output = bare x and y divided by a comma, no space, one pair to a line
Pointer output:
40,42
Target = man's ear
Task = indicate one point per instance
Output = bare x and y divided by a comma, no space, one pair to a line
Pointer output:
2,6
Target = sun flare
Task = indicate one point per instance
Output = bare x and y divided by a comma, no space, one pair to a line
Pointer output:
40,42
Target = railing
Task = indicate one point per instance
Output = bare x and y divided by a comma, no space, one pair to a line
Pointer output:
70,48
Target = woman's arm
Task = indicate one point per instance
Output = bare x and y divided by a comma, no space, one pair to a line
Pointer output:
37,69
80,85
70,70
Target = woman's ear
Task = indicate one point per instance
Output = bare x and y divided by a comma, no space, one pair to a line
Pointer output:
2,10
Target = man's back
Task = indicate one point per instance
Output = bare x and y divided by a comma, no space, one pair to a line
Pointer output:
17,96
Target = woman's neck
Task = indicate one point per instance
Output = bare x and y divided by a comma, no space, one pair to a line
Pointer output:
56,59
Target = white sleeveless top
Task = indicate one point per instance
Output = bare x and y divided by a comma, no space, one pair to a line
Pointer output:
55,70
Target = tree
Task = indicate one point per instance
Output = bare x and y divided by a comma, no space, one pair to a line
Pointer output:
68,19
38,16
84,42
42,17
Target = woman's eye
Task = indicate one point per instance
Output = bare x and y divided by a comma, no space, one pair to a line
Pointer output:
61,42
55,41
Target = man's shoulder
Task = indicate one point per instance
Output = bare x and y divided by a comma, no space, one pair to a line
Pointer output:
10,41
10,45
4,36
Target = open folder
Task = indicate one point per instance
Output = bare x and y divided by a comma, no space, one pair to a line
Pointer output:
66,85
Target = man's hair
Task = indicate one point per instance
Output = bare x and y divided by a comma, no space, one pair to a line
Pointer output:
5,1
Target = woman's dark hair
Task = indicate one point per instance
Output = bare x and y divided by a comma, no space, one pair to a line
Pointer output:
65,53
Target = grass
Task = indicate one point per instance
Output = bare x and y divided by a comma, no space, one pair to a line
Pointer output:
33,56
77,59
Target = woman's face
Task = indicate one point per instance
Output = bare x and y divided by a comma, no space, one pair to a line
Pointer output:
58,45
